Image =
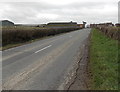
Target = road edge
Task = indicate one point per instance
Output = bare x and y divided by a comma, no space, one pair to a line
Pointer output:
81,78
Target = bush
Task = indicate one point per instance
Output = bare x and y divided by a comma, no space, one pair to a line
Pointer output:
18,34
112,32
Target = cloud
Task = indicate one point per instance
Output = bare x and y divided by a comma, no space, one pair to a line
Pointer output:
46,11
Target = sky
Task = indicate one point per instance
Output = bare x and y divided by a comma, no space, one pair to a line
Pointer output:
45,11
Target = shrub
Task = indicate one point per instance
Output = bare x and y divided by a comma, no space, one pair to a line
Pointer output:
18,34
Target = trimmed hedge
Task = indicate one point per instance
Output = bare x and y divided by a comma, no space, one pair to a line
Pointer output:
112,32
20,34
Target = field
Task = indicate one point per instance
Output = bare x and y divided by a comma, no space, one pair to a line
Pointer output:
21,34
103,61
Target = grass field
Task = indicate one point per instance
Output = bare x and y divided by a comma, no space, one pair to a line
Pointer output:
103,62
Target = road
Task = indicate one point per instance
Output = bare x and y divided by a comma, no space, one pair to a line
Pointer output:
41,65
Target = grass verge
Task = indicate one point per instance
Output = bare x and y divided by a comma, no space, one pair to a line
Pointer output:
103,62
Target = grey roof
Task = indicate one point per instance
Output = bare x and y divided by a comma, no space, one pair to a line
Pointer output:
62,23
6,21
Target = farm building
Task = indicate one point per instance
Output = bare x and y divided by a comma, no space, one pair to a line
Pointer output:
81,25
105,24
109,24
62,24
93,25
102,25
7,23
117,25
41,25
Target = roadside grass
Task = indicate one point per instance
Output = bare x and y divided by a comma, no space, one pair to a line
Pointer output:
103,62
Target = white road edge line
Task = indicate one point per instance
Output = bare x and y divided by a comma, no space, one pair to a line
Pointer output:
43,48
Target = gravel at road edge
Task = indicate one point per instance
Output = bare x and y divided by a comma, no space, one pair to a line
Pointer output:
81,78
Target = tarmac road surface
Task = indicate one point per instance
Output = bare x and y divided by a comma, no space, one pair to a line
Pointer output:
41,65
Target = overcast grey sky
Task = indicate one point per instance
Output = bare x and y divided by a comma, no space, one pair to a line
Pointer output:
44,11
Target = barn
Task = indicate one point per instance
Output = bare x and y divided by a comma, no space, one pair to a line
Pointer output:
81,25
117,24
6,23
62,24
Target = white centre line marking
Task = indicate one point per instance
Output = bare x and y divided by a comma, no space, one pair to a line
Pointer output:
43,48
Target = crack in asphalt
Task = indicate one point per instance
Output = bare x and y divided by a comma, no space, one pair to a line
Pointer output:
75,74
14,80
82,65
